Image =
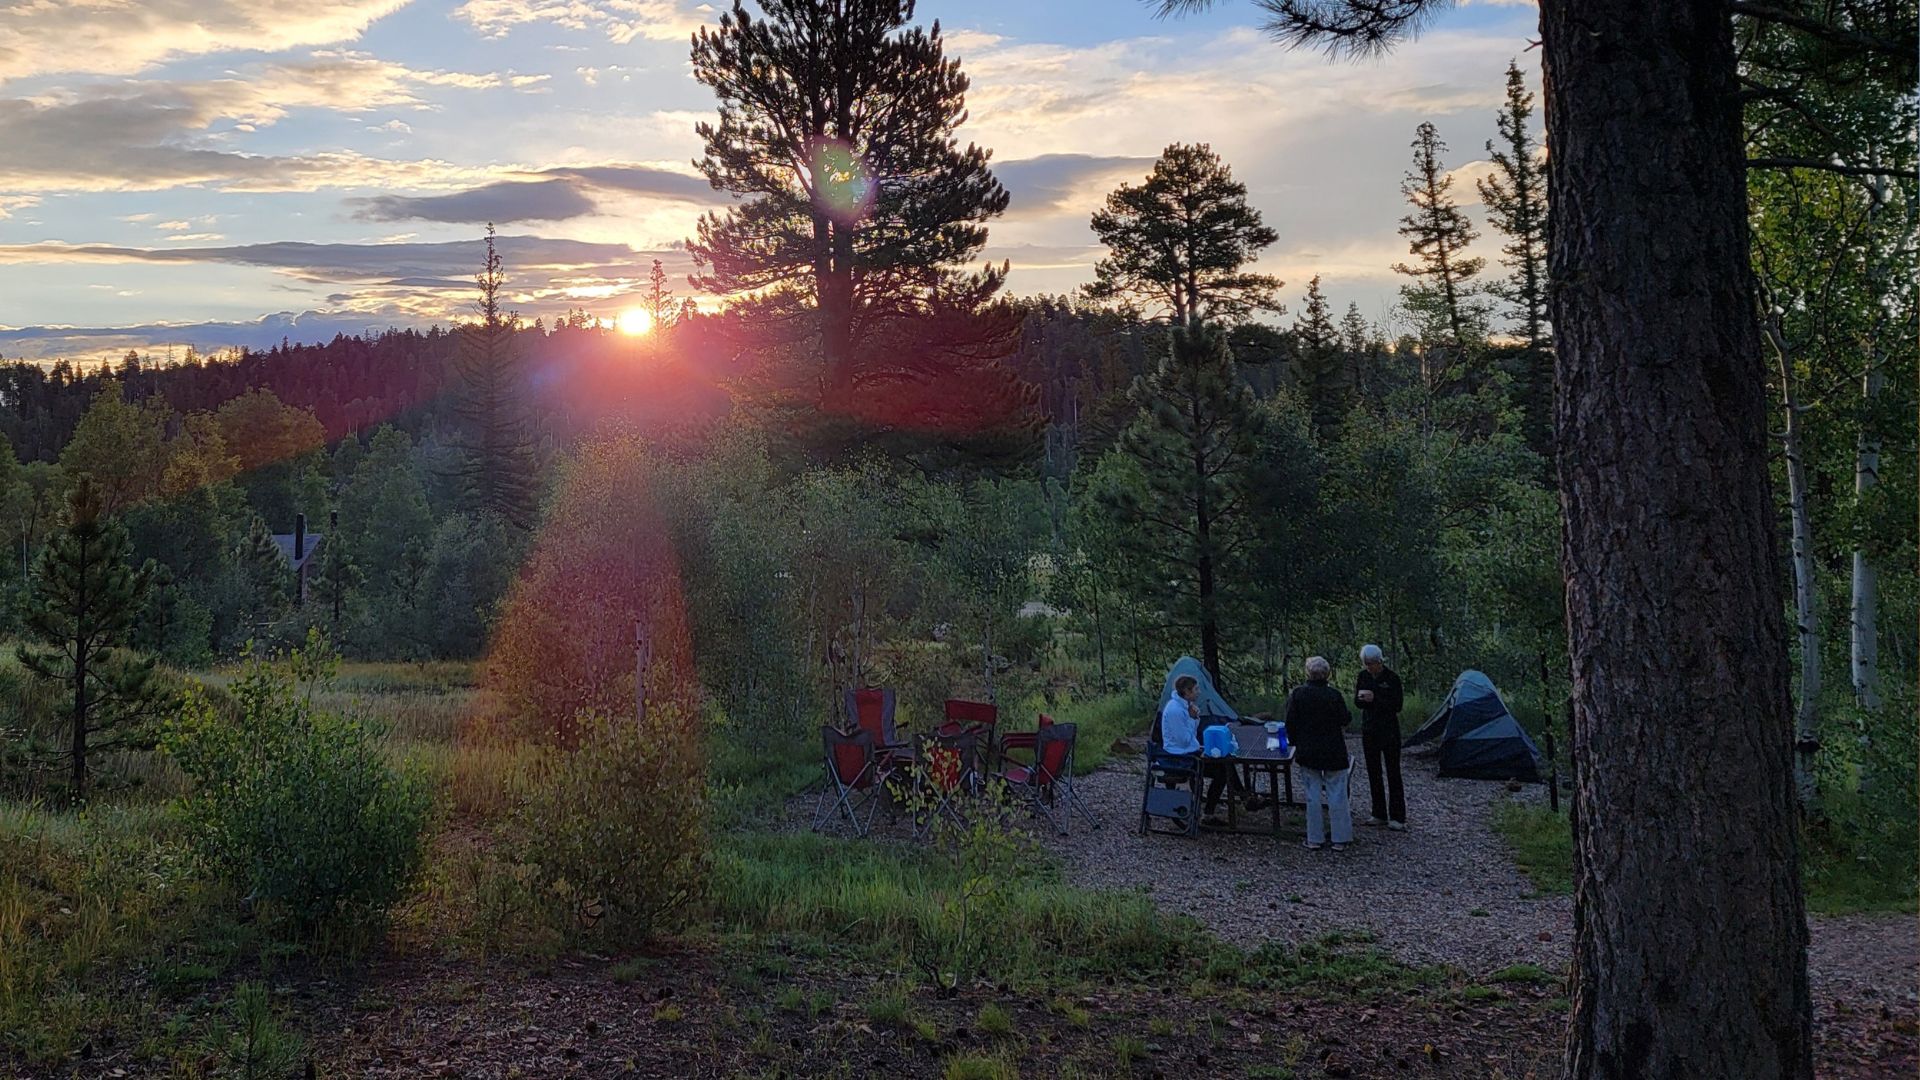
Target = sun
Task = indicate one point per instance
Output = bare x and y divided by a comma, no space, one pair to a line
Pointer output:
634,322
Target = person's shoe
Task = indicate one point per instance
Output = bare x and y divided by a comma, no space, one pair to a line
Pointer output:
1377,822
1397,826
1311,846
1215,821
1339,847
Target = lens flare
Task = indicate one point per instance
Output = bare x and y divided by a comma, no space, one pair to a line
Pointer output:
634,322
843,185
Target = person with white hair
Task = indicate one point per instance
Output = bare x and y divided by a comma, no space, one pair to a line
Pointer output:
1317,720
1379,696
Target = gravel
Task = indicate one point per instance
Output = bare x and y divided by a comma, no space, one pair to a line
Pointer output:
1446,891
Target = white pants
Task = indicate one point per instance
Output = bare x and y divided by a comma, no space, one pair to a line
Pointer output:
1333,782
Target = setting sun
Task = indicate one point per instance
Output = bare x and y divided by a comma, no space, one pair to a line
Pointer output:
635,321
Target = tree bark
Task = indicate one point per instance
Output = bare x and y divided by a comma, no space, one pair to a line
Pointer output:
1689,924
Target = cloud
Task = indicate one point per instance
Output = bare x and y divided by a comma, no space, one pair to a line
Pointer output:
107,343
115,37
506,201
11,203
149,135
621,20
563,195
1064,183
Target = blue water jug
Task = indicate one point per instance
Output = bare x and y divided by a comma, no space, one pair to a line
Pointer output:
1217,741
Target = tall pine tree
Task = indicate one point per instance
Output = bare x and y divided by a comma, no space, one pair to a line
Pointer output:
1182,239
837,128
1516,200
498,466
1442,299
1321,364
84,600
1193,441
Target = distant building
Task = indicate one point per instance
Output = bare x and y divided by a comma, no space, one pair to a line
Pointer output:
299,548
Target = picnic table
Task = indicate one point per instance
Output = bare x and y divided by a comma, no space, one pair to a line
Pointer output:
1251,755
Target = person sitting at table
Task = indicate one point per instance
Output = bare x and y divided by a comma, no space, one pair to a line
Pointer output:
1180,718
1180,734
1317,719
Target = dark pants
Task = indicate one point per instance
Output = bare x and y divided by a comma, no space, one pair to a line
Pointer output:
1382,747
1220,773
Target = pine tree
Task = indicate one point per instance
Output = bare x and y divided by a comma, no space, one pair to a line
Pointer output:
1516,200
1443,299
339,577
84,600
264,573
1193,441
1321,364
661,309
498,466
837,127
1181,239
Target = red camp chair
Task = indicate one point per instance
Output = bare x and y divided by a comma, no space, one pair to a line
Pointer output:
872,711
853,776
1047,783
976,718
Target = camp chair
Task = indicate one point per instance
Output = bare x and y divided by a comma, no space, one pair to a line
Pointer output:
1047,784
852,779
1023,740
948,767
1172,788
977,718
872,711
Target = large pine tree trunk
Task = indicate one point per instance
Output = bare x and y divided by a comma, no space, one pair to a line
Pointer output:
1690,930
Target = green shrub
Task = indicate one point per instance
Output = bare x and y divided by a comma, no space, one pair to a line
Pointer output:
297,806
616,826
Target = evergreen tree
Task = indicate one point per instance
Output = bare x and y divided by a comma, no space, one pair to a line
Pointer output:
1193,442
1182,239
662,311
1516,200
498,467
1321,364
83,604
1442,300
336,583
837,128
265,574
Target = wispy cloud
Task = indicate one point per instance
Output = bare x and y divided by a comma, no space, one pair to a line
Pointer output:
621,20
115,37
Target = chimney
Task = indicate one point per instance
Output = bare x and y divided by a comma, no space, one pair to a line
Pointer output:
299,538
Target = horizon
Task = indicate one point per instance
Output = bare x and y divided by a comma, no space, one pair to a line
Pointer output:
177,190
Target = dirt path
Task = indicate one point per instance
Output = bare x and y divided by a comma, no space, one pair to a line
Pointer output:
1446,891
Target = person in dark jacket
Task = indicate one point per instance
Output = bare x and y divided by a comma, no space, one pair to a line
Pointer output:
1378,696
1317,719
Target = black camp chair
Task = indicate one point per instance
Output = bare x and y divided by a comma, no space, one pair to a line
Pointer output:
1172,789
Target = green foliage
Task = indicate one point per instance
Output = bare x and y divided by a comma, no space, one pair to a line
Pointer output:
1541,842
250,1040
616,826
498,467
83,605
1181,241
297,806
1193,444
901,901
1443,301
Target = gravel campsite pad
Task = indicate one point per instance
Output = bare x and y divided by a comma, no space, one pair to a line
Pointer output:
1444,892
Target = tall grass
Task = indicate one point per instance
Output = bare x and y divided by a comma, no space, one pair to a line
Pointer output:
887,901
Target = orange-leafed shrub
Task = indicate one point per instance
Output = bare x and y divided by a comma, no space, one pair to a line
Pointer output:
603,566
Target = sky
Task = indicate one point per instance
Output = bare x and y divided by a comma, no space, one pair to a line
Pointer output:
217,173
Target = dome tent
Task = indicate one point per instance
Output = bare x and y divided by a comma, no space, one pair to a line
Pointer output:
1479,738
1209,703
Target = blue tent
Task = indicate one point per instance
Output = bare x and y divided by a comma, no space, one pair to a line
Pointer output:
1479,738
1209,702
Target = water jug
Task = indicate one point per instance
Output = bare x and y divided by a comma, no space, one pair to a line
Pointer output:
1217,741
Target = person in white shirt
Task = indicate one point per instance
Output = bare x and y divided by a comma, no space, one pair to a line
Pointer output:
1180,718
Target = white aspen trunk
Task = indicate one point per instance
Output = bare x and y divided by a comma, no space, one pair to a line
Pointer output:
1863,612
1805,586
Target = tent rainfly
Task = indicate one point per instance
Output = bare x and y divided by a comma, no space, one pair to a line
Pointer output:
1211,705
1479,738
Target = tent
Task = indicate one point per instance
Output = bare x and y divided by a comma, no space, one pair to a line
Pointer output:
1479,738
1210,704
